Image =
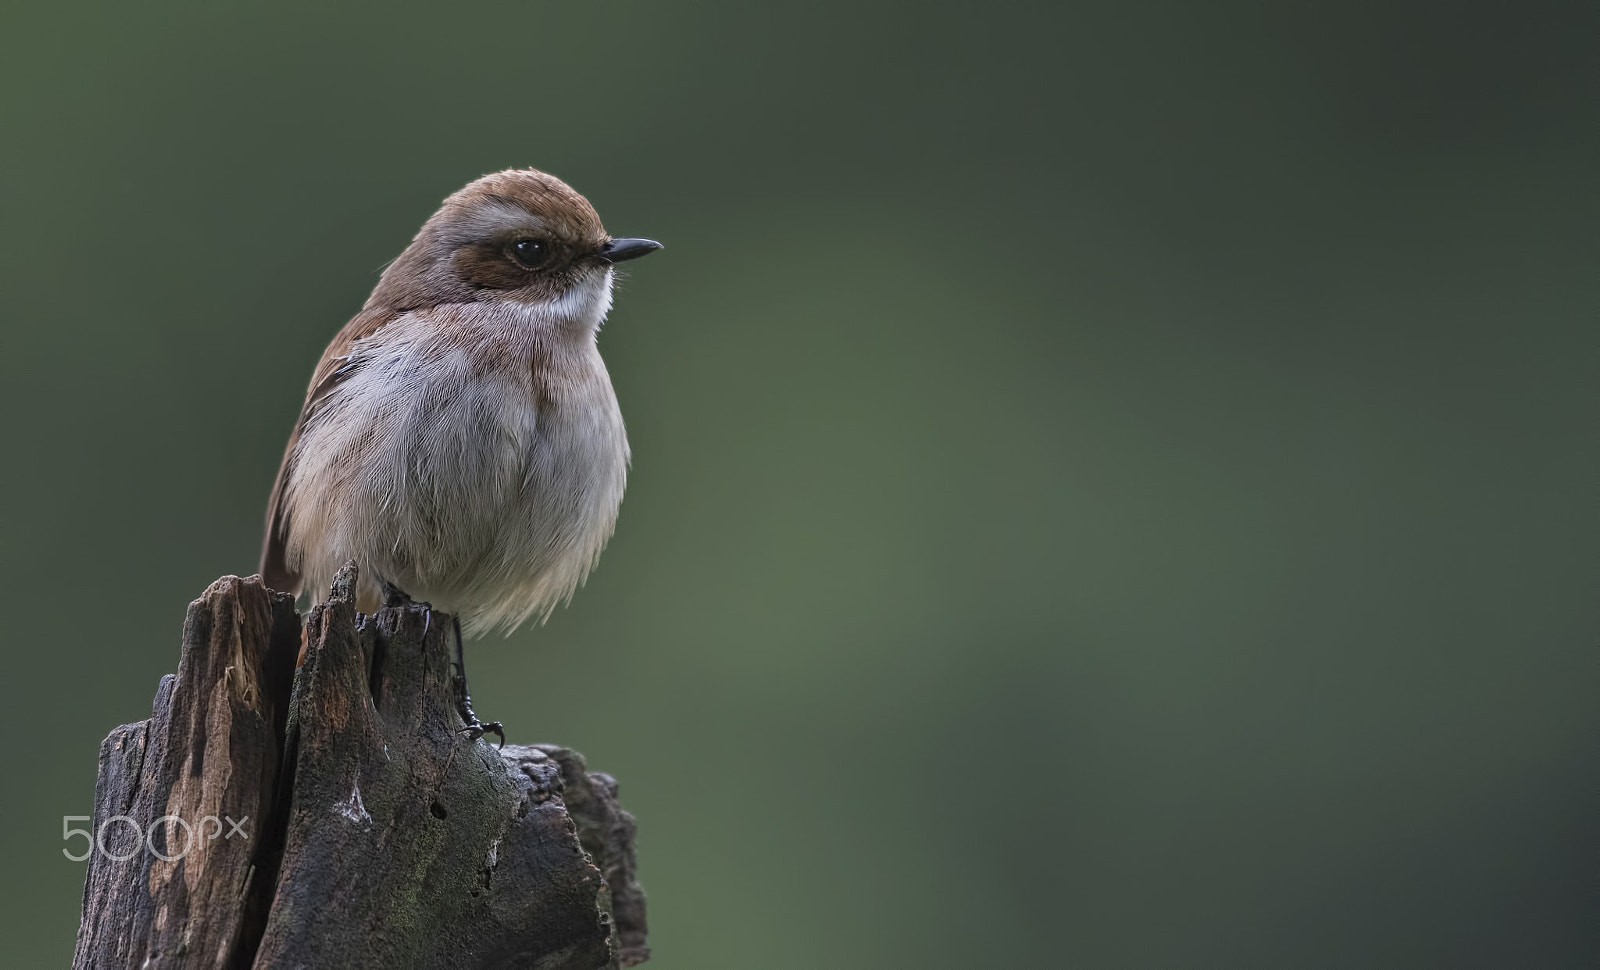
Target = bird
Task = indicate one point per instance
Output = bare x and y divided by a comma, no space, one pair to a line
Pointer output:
460,438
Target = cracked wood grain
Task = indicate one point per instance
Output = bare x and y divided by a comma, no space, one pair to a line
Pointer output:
376,833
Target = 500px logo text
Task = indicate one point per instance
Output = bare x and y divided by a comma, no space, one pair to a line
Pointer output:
147,837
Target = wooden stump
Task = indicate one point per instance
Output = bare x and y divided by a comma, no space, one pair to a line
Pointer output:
335,815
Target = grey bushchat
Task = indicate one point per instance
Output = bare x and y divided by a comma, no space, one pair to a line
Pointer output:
460,439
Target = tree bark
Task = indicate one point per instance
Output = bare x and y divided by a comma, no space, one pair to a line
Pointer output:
335,815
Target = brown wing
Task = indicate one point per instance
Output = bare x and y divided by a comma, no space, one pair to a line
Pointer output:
331,370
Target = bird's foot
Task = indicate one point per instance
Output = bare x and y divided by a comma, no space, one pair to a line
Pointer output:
395,596
478,729
475,728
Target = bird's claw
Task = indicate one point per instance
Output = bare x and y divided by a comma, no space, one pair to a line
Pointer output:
478,729
394,596
475,728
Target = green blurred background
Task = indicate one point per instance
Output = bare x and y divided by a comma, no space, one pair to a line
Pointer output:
1113,483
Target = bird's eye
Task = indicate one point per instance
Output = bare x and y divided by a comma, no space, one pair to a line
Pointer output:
531,253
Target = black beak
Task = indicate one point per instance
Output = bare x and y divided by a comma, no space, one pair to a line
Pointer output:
618,250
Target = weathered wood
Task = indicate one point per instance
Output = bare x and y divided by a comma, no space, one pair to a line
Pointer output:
356,825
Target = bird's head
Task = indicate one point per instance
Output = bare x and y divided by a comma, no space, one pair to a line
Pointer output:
520,237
